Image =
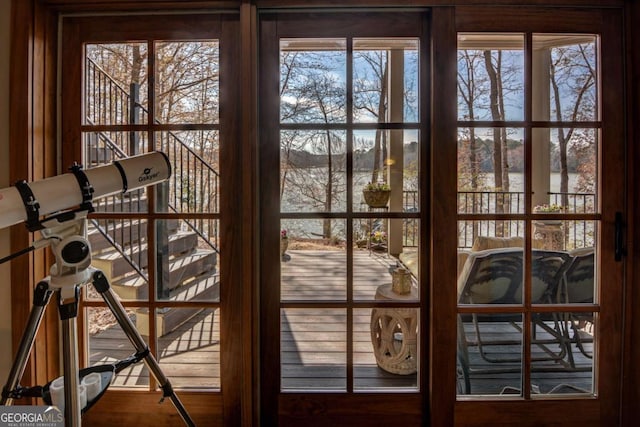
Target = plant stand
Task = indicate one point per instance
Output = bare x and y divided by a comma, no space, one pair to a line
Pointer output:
550,233
375,246
394,332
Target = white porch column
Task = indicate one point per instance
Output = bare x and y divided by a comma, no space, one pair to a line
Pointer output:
540,138
395,162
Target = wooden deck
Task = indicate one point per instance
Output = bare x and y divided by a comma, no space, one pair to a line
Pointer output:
504,374
189,356
314,352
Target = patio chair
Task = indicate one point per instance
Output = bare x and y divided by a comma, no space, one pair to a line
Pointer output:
578,288
495,276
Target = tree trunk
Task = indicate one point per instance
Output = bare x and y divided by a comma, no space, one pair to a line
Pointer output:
326,223
377,150
499,143
495,115
503,131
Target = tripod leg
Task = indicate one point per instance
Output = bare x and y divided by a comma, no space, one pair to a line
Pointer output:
101,284
41,296
68,309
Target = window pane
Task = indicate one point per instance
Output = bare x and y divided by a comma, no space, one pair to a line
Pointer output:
490,170
194,183
492,276
548,267
374,240
187,261
565,170
478,235
381,68
125,264
104,147
313,171
385,348
490,76
313,81
489,354
565,77
116,84
189,351
563,343
313,349
313,267
187,86
390,158
108,344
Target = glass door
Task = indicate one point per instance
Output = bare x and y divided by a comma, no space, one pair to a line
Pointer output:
135,85
342,204
562,242
539,215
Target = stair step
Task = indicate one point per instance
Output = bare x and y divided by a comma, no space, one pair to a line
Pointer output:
181,269
190,266
206,288
132,287
125,233
114,265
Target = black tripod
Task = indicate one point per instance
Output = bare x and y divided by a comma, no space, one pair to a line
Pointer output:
71,271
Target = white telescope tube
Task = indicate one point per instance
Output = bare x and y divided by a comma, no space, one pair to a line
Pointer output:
63,191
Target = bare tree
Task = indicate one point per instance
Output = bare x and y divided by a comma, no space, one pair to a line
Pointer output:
496,105
311,161
470,89
370,96
573,78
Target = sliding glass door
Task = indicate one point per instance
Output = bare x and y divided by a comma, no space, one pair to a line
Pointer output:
342,191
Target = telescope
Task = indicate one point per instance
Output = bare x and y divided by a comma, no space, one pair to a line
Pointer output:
29,201
58,208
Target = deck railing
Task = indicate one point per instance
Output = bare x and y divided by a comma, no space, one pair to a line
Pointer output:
577,233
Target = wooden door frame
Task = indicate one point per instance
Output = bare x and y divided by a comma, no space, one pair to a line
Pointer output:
36,74
605,408
341,408
204,406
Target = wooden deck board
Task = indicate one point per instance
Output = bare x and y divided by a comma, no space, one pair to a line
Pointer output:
313,341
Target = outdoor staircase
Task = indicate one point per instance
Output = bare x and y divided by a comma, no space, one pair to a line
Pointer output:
191,275
119,246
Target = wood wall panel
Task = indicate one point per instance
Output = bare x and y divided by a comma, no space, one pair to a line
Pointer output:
33,157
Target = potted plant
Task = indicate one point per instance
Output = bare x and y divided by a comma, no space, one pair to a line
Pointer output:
376,195
552,208
378,240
